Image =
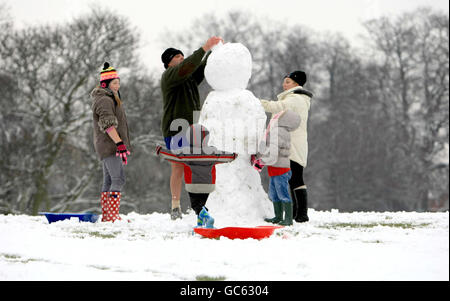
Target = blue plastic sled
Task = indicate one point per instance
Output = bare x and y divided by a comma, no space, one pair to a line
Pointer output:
82,217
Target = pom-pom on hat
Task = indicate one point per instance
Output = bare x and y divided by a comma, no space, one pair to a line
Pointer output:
298,76
168,55
107,74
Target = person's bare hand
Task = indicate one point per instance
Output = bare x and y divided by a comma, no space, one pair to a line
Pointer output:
212,42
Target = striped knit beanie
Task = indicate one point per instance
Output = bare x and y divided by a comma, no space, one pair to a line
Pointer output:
107,75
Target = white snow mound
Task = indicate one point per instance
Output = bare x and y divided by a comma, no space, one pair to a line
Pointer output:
233,62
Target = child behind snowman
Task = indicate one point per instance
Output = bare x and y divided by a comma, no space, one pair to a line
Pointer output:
199,162
276,150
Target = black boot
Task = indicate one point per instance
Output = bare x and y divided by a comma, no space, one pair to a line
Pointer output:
302,205
294,204
198,200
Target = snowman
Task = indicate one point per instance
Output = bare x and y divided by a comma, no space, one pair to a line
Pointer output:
236,121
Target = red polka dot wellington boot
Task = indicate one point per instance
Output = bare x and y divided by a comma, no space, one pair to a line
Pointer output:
104,200
114,205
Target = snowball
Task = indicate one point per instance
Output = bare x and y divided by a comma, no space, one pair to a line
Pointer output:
229,67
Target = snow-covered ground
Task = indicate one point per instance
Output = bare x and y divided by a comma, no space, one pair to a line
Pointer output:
332,246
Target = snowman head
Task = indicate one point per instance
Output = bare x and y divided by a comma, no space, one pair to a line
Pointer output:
229,67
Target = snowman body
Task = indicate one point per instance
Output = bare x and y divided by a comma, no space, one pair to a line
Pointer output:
236,121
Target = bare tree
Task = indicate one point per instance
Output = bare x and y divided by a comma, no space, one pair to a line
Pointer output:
55,68
144,110
262,40
414,48
346,138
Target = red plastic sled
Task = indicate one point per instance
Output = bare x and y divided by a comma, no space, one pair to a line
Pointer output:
259,232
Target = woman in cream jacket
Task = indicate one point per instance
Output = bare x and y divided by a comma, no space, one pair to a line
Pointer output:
297,99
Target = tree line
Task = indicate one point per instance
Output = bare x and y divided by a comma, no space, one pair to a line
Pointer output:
377,129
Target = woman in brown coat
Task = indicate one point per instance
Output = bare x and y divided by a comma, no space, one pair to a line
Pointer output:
111,140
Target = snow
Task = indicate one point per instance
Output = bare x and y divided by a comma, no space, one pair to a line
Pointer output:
234,117
332,246
229,67
236,120
239,195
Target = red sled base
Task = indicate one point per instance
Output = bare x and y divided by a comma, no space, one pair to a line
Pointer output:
82,217
258,232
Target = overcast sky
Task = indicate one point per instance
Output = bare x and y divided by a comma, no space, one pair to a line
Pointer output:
152,17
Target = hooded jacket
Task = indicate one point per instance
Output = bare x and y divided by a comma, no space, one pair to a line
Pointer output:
106,113
298,100
199,160
277,140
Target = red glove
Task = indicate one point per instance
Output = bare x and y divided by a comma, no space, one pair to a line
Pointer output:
256,163
122,152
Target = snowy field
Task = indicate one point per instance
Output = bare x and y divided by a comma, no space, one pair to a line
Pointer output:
332,246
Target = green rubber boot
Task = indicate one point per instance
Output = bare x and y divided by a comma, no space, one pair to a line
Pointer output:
278,209
287,208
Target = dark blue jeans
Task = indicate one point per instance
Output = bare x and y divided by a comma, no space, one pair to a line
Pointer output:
279,188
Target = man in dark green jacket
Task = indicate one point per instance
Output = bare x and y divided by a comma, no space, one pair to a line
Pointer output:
179,85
